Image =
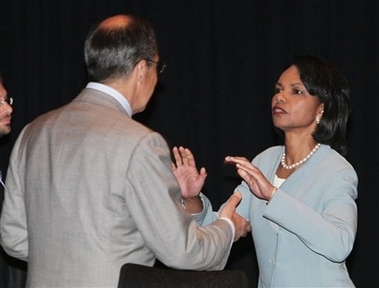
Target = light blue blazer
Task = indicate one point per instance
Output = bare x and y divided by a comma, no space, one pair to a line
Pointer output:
304,235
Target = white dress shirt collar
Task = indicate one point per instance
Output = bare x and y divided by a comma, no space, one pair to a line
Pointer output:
114,93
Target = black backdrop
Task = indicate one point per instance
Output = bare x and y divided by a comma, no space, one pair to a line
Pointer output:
223,59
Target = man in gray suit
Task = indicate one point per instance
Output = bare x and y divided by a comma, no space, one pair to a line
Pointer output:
89,188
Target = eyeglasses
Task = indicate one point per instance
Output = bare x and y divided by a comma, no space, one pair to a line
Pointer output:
160,65
8,100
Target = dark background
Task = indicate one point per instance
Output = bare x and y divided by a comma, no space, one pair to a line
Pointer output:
223,57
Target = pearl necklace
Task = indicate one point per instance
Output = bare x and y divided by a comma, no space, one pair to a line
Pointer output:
294,165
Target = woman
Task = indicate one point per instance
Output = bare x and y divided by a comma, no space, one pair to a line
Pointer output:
300,197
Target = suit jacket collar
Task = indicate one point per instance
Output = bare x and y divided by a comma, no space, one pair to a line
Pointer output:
100,98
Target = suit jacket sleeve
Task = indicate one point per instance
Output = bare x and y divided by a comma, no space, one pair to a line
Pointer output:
168,230
14,235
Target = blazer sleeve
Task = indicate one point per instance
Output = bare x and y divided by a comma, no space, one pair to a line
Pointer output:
168,230
206,216
329,231
14,234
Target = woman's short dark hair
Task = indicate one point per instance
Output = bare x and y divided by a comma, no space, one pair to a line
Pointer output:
111,53
325,82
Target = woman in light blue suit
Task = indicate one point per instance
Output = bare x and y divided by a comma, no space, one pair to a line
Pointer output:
300,197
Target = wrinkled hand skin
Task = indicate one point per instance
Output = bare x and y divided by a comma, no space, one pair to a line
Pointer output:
241,225
191,180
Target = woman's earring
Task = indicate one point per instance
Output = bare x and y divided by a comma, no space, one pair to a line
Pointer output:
318,119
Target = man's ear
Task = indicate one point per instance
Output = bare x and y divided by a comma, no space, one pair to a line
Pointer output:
140,70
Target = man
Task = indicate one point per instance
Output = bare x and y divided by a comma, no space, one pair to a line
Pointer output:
12,271
89,189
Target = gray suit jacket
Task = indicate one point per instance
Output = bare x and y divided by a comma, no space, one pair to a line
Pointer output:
89,189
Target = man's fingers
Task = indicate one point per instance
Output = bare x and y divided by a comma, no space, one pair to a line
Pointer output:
189,157
230,206
235,199
203,173
178,158
241,225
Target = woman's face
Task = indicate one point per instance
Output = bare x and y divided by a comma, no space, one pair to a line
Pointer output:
293,108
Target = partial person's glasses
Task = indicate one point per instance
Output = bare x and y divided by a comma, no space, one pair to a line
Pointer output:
160,65
8,100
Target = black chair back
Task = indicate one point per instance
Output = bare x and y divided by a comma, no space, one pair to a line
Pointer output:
134,275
